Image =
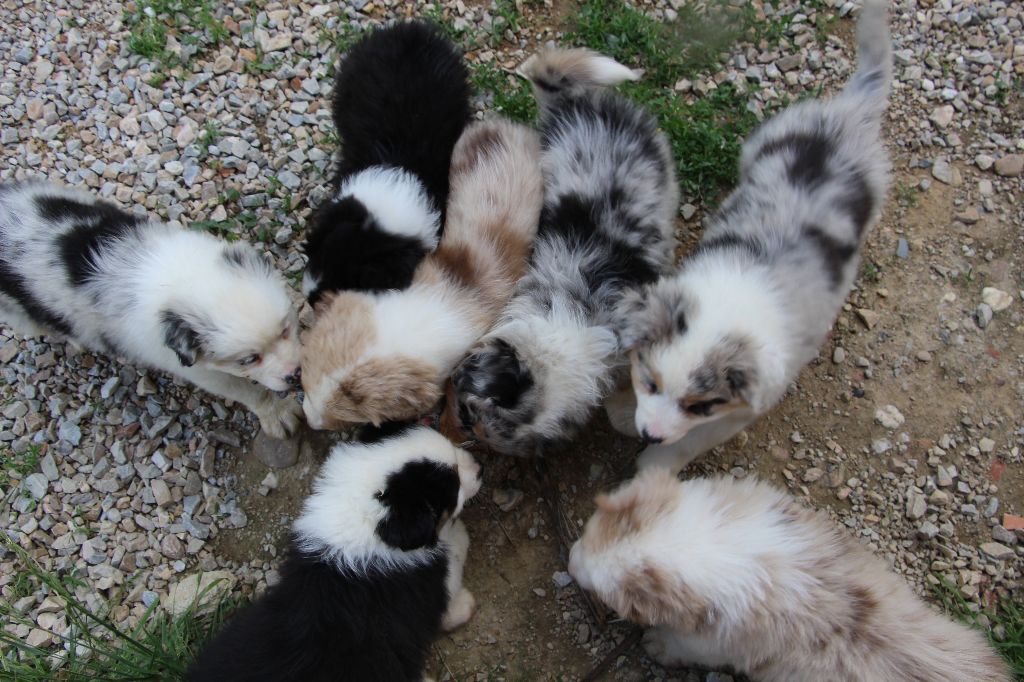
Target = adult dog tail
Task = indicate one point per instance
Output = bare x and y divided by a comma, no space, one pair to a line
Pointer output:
557,73
869,86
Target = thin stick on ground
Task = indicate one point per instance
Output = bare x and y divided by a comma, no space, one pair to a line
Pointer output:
631,640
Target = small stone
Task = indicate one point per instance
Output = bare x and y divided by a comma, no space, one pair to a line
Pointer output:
688,211
1013,522
996,299
969,216
145,387
985,188
34,109
275,453
790,62
1010,166
943,477
171,547
939,498
683,85
289,179
946,173
1004,536
997,551
561,579
942,116
222,64
986,445
928,530
812,475
70,432
507,499
199,589
984,161
36,485
916,505
889,417
983,315
161,493
902,249
838,355
881,446
923,356
868,317
38,638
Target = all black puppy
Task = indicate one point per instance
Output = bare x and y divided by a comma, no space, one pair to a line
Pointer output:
374,572
401,100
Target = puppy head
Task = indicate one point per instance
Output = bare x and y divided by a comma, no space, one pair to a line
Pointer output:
349,374
690,363
624,554
239,321
386,501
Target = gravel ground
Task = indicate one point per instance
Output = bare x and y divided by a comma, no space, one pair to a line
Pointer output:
908,429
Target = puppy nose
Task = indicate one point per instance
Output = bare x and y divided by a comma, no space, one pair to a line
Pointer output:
295,378
648,438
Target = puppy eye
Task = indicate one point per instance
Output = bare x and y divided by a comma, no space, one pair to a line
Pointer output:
249,360
286,333
703,408
650,385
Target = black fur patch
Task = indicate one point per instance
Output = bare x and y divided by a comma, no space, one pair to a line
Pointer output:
417,496
495,373
181,337
91,227
728,241
835,254
859,202
349,251
321,625
368,433
14,285
242,255
808,166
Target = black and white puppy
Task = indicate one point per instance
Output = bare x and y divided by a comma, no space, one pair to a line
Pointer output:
401,100
715,345
213,313
374,572
607,224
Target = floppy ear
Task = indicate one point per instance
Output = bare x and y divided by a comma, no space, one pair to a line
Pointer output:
419,498
650,595
180,335
383,389
644,316
410,526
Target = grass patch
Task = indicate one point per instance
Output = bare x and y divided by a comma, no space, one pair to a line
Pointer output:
1003,623
906,194
159,647
192,22
20,465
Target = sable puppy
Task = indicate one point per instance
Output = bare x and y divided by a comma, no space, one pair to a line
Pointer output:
373,574
213,313
401,100
715,345
383,357
736,573
607,224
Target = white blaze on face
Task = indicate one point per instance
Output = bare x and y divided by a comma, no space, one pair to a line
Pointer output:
660,418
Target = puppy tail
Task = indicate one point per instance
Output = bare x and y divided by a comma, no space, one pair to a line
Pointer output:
557,73
870,84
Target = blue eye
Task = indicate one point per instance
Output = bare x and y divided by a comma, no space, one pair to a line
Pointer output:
249,360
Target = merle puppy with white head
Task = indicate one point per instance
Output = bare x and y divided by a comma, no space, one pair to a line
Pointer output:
215,314
374,572
607,224
401,100
715,345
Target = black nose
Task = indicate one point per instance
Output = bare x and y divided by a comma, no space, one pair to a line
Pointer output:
295,378
648,438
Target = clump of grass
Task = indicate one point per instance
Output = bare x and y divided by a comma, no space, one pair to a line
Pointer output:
508,93
159,647
906,194
21,465
1004,627
192,22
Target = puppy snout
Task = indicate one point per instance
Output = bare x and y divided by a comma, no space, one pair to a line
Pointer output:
295,378
646,436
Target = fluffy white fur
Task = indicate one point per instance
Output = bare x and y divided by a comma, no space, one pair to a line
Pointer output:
736,573
175,300
340,518
717,344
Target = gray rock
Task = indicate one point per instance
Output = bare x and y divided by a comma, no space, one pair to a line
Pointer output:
1003,536
997,551
1010,166
946,173
161,493
928,530
902,249
70,432
916,505
889,417
561,579
275,453
36,484
983,315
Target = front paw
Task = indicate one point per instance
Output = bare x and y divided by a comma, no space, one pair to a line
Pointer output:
460,610
280,418
657,643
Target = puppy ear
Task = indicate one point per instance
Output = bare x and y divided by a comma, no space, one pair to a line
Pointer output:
181,336
419,497
645,316
383,389
409,527
650,595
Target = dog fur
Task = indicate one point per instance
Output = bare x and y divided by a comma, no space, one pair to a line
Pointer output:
383,357
401,100
607,224
736,573
213,313
373,574
717,344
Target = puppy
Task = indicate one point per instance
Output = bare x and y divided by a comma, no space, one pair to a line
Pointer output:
213,313
607,224
736,573
383,357
715,345
401,100
374,571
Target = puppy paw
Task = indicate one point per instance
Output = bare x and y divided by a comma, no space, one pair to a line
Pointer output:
460,610
663,456
280,418
658,645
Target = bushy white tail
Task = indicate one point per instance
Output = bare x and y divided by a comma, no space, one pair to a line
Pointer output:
556,73
870,84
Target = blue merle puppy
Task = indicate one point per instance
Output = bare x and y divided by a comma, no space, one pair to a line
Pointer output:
373,573
401,101
715,345
606,225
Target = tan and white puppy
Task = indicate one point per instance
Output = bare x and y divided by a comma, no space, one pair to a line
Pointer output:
384,357
213,313
736,573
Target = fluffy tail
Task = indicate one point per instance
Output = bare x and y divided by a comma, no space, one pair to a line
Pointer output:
870,84
557,73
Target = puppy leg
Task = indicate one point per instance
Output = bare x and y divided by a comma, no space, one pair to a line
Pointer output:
279,417
461,602
675,456
621,410
673,649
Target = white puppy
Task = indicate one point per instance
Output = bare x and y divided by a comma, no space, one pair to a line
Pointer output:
716,345
214,313
736,573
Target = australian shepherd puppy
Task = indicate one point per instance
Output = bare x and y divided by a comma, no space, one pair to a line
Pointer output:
373,573
384,357
736,573
401,100
715,345
607,224
213,313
